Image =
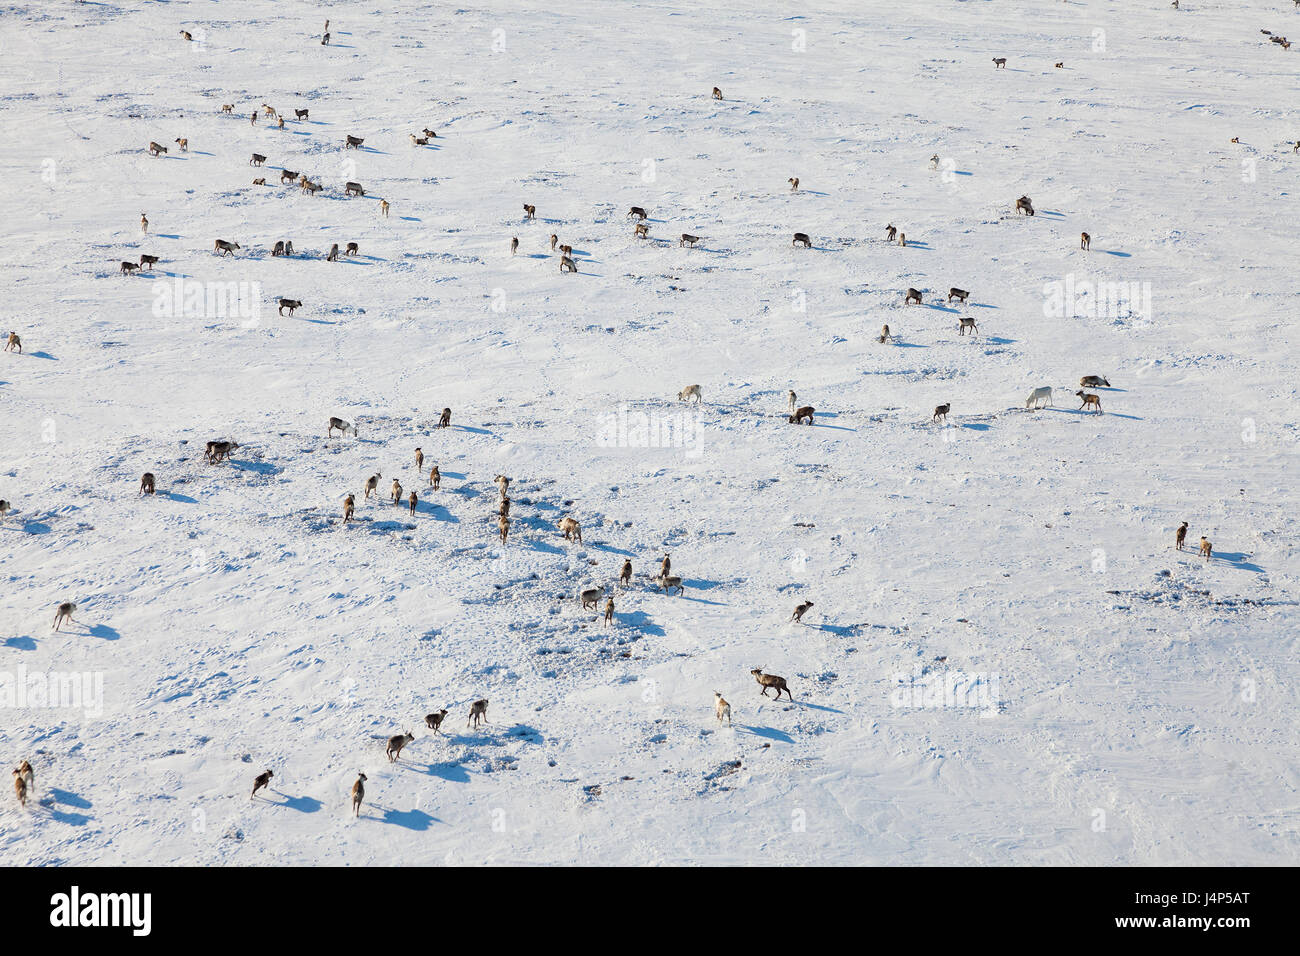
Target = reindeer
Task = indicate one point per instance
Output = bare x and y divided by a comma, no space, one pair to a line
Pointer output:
1038,395
637,212
413,500
804,411
477,711
801,239
435,477
260,782
999,63
691,391
961,295
590,596
566,250
642,231
1089,401
609,612
625,573
444,420
1085,241
902,239
287,176
300,114
794,184
397,492
358,788
261,181
224,247
4,509
129,267
791,400
688,240
353,142
885,336
217,450
1180,536
419,460
665,566
353,189
571,528
800,611
383,208
717,93
1094,381
342,426
503,526
554,240
147,483
349,506
157,149
64,613
567,265
771,680
29,777
891,232
290,304
183,143
514,245
395,744
503,508
434,721
372,484
429,133
669,581
14,343
965,323
721,708
418,140
530,212
228,108
352,249
502,483
1206,548
20,789
186,35
257,160
941,411
1024,206
912,295
333,255
147,262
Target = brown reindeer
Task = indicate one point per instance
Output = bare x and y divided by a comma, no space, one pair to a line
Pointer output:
435,477
1085,241
771,680
530,212
14,343
805,411
941,411
1089,401
911,296
349,506
260,782
1180,536
444,420
717,93
290,304
801,239
147,483
358,788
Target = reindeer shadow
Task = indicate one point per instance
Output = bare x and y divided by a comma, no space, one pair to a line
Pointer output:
23,643
104,632
768,733
301,804
1239,559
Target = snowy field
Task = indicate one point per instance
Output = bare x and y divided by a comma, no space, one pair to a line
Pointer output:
1007,661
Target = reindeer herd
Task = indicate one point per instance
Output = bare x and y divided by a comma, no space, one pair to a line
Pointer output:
217,451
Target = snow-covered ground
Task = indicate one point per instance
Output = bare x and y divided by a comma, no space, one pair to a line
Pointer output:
1127,703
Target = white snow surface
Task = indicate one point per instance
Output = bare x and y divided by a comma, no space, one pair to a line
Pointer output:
1141,704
